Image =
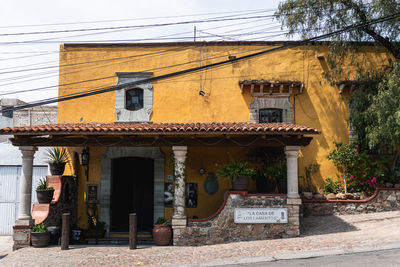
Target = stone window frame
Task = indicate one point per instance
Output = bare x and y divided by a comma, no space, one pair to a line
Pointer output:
270,95
141,115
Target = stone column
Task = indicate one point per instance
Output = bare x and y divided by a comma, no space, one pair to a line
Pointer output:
292,153
179,216
24,213
21,229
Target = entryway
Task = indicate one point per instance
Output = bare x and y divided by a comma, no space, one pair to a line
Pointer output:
132,191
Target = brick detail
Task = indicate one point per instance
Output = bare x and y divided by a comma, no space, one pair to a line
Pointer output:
21,236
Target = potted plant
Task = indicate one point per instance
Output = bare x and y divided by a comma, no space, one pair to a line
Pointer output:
239,173
40,236
76,233
265,183
94,225
43,192
279,173
162,232
58,157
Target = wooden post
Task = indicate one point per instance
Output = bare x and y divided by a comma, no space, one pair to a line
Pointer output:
132,231
65,231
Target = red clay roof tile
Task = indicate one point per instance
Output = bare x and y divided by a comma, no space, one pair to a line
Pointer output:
159,128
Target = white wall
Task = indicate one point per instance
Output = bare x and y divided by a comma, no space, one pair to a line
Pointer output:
11,155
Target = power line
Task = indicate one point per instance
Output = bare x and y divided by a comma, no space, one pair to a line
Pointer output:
134,26
208,66
147,18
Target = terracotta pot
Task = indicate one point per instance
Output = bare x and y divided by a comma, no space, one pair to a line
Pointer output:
162,234
44,196
241,183
40,240
57,168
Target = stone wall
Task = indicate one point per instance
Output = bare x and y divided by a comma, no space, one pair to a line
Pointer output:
384,199
220,227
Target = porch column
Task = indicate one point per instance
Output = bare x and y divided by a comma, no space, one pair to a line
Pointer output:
179,216
24,212
292,153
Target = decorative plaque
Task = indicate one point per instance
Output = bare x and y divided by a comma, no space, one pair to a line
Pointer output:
260,215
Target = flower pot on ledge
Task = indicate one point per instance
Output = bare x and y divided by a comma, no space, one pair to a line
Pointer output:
241,183
44,196
57,168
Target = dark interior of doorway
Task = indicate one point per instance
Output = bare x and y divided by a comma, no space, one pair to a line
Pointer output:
132,191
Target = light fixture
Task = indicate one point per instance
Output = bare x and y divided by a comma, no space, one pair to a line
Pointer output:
84,157
202,93
202,171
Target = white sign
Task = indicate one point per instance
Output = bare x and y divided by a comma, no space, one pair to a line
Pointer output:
265,215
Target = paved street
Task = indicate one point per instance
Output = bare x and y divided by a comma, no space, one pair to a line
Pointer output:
321,236
367,259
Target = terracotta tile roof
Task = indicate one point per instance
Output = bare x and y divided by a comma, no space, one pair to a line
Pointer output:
158,128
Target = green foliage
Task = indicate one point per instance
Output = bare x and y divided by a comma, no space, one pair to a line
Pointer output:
361,172
235,169
39,228
384,112
331,186
274,172
42,185
310,169
58,155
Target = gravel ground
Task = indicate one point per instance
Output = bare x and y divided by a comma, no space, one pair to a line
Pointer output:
318,233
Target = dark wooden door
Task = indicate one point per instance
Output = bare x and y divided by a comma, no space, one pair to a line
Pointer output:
132,191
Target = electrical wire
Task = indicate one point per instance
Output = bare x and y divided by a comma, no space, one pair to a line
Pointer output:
212,65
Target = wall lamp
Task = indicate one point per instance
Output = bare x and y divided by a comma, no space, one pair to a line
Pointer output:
84,157
202,93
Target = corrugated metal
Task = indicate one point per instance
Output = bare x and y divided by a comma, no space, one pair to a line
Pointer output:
7,215
9,194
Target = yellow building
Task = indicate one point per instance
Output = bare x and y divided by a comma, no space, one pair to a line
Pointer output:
147,106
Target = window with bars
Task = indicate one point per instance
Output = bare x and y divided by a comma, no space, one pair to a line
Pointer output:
270,115
134,99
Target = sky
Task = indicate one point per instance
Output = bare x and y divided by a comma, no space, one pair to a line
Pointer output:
29,60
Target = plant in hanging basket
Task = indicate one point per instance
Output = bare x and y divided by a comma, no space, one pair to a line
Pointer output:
40,236
162,232
43,192
58,157
239,173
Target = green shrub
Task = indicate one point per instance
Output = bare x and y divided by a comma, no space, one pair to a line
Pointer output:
42,185
58,155
331,186
39,228
235,169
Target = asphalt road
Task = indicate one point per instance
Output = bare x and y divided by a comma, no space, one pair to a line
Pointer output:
365,259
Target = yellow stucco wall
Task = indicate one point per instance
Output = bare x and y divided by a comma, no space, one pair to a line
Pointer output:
177,99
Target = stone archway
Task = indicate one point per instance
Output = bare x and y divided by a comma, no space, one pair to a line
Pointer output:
105,184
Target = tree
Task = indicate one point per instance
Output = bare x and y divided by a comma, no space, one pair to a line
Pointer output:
375,114
311,18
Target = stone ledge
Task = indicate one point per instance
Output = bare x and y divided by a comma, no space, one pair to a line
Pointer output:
293,201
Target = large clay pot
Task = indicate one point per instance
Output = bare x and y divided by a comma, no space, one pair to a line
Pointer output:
44,196
40,240
241,183
162,234
57,168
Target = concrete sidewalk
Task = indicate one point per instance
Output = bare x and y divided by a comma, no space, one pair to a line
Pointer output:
329,235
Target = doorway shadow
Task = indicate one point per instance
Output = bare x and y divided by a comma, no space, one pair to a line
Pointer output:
318,225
